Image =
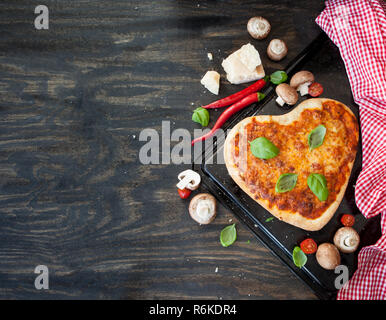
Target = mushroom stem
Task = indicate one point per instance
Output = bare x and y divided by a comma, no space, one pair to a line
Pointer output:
303,88
349,241
277,47
280,101
188,179
204,207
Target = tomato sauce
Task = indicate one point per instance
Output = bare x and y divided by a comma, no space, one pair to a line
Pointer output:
332,158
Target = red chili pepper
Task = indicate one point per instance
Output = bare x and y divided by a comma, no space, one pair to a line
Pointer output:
258,85
184,193
236,107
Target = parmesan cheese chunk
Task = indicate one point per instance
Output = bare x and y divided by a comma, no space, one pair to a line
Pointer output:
248,56
243,65
211,81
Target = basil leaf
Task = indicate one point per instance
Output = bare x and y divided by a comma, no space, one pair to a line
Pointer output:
286,182
316,137
201,116
278,77
263,148
228,235
299,257
269,219
318,185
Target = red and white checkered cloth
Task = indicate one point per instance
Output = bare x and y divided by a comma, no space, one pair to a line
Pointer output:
358,28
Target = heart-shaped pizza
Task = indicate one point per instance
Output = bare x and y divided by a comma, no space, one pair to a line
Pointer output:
296,165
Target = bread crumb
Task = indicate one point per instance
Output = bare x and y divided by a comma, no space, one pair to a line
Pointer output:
210,56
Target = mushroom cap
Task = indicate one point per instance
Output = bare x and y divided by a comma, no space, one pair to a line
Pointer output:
258,27
346,239
328,256
277,49
287,93
301,77
202,208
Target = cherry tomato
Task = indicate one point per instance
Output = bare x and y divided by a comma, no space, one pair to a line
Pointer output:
308,246
347,220
184,193
315,89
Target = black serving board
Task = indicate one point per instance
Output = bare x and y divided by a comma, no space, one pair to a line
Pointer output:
322,58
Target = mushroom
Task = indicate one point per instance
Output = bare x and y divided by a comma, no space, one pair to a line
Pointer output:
346,239
202,208
188,179
277,50
258,27
286,94
301,81
328,256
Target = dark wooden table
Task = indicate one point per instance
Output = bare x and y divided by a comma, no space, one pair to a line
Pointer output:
74,195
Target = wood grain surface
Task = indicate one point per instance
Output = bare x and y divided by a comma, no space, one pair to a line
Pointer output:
73,193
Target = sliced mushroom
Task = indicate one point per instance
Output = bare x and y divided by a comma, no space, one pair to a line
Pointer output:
202,208
347,239
328,256
258,27
301,81
286,94
188,179
277,50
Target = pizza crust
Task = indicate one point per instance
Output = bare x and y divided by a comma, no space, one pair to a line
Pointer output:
290,217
